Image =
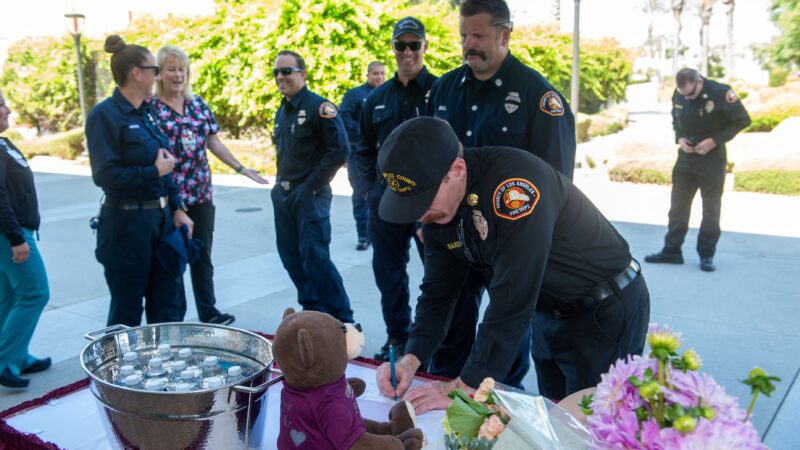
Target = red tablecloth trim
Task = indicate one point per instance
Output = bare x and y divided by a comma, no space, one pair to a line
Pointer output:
13,439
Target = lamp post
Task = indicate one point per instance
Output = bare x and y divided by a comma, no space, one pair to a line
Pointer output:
576,61
74,22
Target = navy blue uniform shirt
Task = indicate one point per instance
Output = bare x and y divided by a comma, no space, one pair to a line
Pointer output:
516,107
535,236
19,207
386,107
123,146
717,112
310,139
350,110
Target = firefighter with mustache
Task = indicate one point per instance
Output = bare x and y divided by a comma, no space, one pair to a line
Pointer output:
556,264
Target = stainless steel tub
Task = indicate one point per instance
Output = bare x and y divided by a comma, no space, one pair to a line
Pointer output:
229,417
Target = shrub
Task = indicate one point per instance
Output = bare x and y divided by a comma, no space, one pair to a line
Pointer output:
253,153
608,121
639,175
783,182
66,145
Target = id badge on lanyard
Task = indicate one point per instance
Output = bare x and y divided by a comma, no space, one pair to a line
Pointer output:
188,140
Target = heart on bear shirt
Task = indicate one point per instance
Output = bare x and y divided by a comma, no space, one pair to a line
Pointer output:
298,437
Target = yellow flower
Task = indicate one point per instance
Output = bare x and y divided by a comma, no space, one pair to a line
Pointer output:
659,338
692,359
491,428
482,394
685,424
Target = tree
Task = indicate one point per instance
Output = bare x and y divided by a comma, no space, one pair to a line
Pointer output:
677,10
786,47
729,49
705,7
40,80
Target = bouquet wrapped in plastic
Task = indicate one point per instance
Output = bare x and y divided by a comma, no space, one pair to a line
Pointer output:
503,418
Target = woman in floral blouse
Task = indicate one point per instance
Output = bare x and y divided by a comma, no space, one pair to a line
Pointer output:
191,128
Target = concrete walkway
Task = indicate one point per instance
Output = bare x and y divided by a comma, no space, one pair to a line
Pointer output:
745,314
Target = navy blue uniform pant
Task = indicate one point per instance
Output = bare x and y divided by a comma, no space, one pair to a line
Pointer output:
126,245
685,183
303,233
201,271
360,210
571,352
390,256
452,354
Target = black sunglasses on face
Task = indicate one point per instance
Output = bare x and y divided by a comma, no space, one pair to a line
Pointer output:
400,46
285,71
155,68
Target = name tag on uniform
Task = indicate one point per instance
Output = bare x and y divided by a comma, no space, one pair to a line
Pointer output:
442,108
16,155
380,107
133,126
188,140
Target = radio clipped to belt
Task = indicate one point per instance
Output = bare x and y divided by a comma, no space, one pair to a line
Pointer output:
94,222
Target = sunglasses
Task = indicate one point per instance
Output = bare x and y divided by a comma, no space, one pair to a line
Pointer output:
401,46
156,69
285,71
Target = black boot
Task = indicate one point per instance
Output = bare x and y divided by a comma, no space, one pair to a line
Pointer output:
665,258
399,350
707,264
8,379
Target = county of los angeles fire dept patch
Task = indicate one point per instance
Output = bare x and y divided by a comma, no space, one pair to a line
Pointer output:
551,104
515,198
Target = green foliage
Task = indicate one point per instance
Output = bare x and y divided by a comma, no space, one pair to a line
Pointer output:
782,182
605,67
639,175
253,153
66,145
233,50
777,76
40,81
767,118
786,47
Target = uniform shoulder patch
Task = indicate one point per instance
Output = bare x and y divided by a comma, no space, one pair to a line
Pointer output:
551,104
731,96
327,110
515,198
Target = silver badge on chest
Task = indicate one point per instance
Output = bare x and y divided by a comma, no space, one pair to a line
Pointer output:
512,102
301,117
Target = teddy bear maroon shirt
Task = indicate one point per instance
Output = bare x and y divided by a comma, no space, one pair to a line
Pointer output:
326,417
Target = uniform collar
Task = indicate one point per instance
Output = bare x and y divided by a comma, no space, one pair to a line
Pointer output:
122,102
497,80
298,98
423,78
473,176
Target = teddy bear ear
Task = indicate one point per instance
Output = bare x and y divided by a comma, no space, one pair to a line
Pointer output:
305,348
287,312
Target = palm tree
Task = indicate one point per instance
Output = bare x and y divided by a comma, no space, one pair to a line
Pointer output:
706,7
729,51
677,10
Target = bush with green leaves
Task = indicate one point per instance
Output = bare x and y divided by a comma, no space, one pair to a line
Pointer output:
233,50
40,81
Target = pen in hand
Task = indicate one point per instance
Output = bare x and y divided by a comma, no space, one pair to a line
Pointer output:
391,366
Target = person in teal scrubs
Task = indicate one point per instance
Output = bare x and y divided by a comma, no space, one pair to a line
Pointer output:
23,280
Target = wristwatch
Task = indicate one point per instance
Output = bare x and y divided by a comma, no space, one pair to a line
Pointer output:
183,207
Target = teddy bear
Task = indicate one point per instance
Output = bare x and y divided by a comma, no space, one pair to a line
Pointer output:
318,404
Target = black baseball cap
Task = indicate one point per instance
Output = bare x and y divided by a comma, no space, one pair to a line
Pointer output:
414,159
409,25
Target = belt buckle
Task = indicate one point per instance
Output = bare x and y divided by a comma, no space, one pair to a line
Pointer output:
163,201
286,185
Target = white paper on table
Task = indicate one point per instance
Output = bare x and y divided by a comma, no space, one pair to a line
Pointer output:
74,422
372,404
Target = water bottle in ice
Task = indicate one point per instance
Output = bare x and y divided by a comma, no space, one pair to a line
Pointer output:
132,359
155,384
235,374
133,382
185,354
189,376
124,372
211,367
213,382
155,369
177,367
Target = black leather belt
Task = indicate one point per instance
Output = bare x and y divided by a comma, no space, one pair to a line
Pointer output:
157,203
604,290
600,292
